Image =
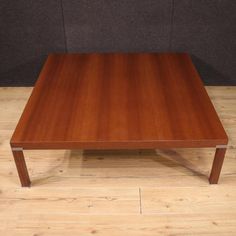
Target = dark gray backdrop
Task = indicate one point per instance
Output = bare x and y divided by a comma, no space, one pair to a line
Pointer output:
32,29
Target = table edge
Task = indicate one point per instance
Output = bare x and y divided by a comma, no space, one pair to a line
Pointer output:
149,144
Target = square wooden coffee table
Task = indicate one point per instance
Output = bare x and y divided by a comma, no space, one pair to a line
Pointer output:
118,101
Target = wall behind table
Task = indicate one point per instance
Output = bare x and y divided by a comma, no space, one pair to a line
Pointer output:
29,31
32,29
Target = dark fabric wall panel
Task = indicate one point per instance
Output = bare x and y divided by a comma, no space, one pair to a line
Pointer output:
206,29
29,31
32,29
111,25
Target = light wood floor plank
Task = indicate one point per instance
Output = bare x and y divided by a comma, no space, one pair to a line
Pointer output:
211,199
143,225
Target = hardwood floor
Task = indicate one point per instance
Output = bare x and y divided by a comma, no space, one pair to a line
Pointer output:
162,192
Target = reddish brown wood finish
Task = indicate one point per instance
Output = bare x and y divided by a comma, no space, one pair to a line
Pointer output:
217,165
113,101
21,168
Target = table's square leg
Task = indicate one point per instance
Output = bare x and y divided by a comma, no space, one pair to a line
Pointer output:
217,165
21,167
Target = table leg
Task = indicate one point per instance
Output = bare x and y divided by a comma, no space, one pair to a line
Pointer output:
21,167
217,165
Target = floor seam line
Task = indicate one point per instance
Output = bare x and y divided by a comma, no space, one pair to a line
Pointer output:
140,202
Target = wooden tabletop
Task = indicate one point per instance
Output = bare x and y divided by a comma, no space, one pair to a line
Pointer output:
89,101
